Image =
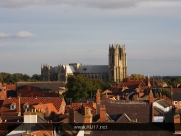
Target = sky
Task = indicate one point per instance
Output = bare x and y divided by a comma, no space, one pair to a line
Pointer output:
53,32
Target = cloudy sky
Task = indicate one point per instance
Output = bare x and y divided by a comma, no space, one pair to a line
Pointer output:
35,32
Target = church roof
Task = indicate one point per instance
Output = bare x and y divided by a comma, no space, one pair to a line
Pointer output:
93,69
69,69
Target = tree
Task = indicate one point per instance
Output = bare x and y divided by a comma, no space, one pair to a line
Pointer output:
81,87
17,77
36,77
174,81
166,92
137,76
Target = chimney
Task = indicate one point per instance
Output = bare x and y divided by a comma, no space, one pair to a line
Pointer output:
171,90
88,116
118,97
106,96
71,115
19,106
103,116
98,97
83,110
151,98
47,113
88,121
177,125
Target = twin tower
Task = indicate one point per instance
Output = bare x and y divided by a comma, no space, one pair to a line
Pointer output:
115,71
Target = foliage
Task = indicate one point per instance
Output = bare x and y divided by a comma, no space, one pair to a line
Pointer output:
137,76
174,81
166,92
81,87
17,77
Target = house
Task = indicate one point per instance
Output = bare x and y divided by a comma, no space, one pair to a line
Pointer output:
163,105
158,115
40,89
20,104
176,98
33,125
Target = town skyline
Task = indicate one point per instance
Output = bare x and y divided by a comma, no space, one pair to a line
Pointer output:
63,32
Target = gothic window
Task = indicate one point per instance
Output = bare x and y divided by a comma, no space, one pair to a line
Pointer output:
13,106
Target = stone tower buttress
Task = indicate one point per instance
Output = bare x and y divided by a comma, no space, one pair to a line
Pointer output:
117,63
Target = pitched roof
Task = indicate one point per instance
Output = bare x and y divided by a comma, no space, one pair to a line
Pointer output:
31,102
43,107
176,96
158,112
163,103
93,69
106,91
139,110
42,86
11,87
132,84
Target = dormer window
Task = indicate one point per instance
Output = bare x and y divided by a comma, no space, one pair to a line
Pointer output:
13,106
25,106
175,102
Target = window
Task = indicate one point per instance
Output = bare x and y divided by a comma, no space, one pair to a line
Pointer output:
13,106
175,102
25,106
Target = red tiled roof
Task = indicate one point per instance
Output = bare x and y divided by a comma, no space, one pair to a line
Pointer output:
106,91
132,84
77,106
11,87
31,101
44,106
43,133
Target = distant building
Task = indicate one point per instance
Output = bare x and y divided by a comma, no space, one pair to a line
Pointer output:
115,71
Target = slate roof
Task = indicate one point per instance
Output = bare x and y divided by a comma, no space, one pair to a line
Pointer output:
175,90
164,103
89,69
69,69
158,112
42,86
139,110
176,96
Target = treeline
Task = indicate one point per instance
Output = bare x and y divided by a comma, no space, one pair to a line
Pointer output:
18,77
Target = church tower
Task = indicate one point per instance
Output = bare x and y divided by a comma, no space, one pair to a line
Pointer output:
117,63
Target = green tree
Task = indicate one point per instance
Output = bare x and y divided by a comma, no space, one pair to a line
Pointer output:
81,87
35,77
137,76
166,92
174,81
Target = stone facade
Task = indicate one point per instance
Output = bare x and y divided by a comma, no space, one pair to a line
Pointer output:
115,71
117,63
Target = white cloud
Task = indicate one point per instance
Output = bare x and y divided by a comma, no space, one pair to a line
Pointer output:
21,34
24,34
3,35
